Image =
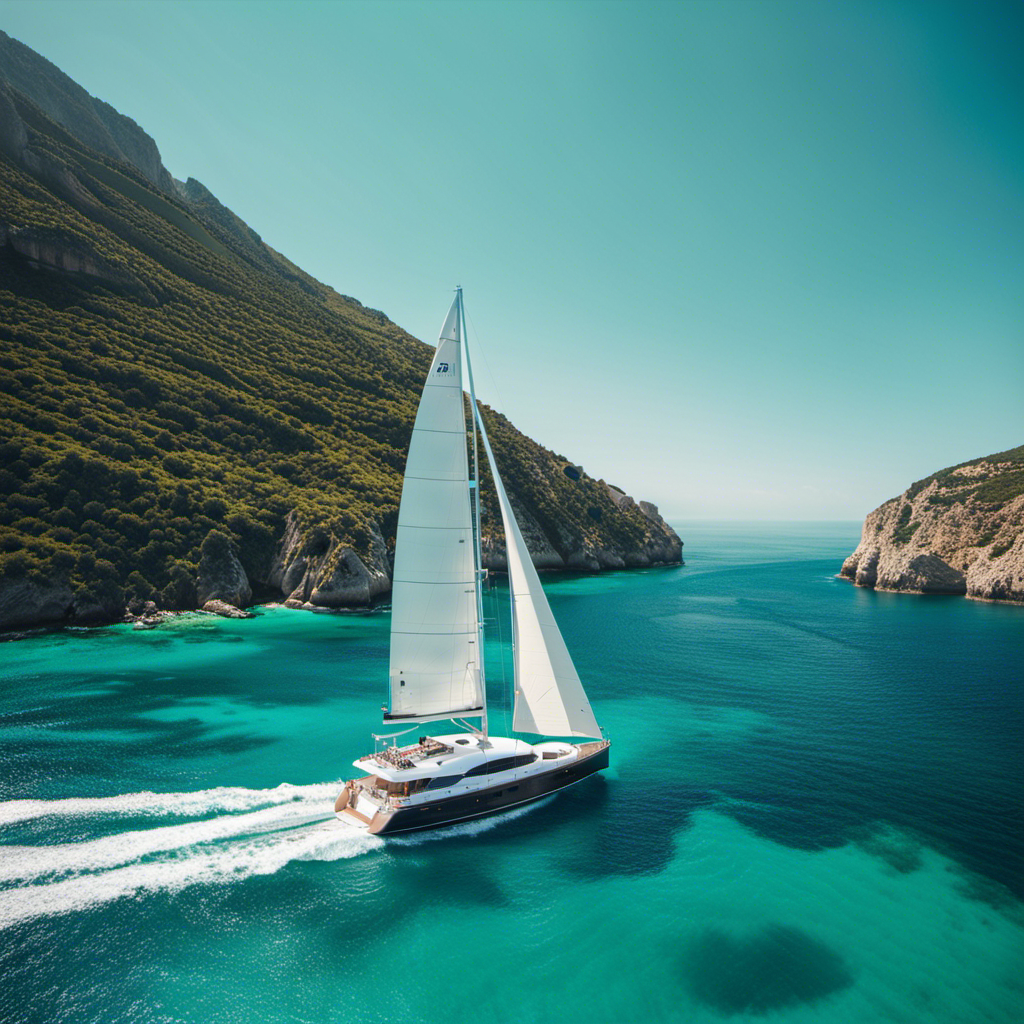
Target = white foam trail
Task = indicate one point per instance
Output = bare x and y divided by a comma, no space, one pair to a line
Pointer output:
265,855
28,862
224,849
203,801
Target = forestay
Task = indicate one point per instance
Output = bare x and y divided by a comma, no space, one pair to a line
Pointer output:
434,669
549,698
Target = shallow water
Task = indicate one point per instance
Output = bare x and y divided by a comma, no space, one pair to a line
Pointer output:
813,813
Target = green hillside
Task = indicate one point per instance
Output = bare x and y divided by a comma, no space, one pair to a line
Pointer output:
164,373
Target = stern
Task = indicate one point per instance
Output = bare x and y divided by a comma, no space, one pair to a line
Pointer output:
363,807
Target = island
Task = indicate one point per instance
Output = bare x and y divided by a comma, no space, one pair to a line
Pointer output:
958,531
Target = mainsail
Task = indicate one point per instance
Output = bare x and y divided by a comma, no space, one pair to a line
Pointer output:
549,698
435,631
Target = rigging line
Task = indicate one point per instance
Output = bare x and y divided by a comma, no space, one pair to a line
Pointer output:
505,693
392,735
506,690
487,366
496,608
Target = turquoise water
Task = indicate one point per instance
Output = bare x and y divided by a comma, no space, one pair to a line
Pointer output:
813,814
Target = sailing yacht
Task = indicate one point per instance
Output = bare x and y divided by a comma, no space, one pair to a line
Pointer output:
437,640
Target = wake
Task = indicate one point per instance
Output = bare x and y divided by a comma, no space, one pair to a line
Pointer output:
203,801
257,832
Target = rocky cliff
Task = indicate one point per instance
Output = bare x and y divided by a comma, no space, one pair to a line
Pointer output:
958,531
313,568
96,123
658,543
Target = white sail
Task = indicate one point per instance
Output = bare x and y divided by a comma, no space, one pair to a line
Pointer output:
549,699
435,656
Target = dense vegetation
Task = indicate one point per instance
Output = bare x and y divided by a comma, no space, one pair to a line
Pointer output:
188,377
993,486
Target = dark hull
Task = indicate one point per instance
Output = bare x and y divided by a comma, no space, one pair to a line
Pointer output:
491,801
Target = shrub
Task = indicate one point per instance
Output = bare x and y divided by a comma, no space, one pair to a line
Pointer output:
177,466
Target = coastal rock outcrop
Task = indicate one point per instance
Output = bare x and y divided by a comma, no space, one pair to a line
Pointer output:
225,610
221,576
560,548
543,552
26,602
314,569
662,546
97,606
959,531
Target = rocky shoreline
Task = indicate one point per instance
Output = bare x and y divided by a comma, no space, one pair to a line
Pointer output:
311,569
959,531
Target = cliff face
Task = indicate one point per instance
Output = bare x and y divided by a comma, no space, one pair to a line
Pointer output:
95,123
959,531
313,568
166,375
657,544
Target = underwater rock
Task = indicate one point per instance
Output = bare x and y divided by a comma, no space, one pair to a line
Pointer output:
776,967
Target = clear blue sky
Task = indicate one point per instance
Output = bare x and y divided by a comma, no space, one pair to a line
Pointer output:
746,260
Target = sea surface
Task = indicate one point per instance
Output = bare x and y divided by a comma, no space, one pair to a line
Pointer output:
813,814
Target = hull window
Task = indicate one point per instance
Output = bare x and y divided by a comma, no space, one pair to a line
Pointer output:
502,764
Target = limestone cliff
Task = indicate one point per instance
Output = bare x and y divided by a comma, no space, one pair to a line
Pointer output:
958,531
658,545
27,601
313,568
221,576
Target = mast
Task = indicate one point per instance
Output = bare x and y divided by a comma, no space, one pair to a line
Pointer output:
476,517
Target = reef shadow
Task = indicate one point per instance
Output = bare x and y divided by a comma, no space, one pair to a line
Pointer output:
776,967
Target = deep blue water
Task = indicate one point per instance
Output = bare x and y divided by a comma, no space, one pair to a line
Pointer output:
813,813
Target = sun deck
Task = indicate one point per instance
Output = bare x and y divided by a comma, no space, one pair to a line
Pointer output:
404,758
453,755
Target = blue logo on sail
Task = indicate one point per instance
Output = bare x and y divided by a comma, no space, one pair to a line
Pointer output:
442,368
